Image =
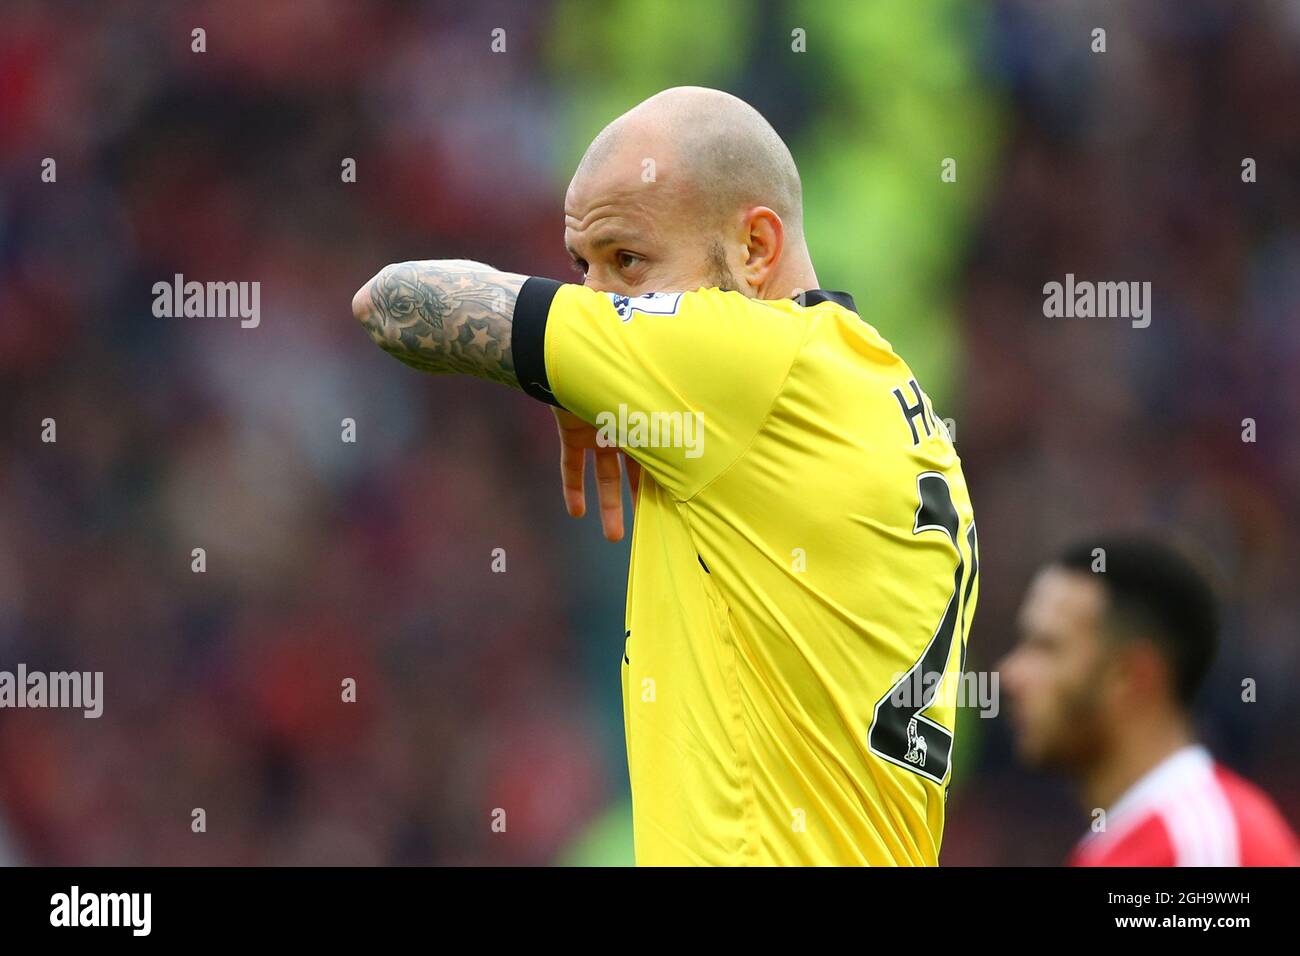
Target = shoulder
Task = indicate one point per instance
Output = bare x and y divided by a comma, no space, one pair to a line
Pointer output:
1178,814
1144,842
1264,836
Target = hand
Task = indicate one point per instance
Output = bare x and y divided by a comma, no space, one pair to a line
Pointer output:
576,439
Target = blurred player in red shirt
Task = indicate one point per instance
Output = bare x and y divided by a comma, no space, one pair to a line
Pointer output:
1116,637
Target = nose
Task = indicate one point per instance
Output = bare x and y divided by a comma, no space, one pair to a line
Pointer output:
602,277
598,279
614,287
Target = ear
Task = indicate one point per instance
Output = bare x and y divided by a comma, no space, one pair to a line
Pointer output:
764,238
1146,677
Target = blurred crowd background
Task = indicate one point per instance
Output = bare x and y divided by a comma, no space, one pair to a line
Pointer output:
372,560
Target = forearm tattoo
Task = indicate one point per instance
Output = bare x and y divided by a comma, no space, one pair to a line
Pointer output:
444,316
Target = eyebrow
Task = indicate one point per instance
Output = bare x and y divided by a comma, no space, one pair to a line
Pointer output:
598,244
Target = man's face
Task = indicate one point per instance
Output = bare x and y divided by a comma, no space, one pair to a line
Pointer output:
1056,675
630,236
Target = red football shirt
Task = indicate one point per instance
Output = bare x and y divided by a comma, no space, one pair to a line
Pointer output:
1191,811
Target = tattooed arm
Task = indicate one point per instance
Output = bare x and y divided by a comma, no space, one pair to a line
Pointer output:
443,316
456,316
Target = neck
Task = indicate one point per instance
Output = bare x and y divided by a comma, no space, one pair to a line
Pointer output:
795,275
1132,756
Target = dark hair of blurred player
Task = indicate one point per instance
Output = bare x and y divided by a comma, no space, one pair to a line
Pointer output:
1117,635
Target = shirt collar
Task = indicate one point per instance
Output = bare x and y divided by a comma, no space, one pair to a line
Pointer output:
815,296
1181,770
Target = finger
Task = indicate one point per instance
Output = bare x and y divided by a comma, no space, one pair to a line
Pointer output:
633,468
572,461
609,490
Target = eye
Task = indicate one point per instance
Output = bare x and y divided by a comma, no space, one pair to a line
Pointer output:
628,260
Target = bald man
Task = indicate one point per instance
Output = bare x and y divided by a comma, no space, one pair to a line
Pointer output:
804,560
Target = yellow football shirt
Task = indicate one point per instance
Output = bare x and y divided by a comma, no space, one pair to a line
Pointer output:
803,570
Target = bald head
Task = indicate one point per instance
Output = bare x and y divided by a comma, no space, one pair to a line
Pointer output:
690,189
712,150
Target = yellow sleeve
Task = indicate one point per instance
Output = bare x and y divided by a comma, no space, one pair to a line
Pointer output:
682,380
